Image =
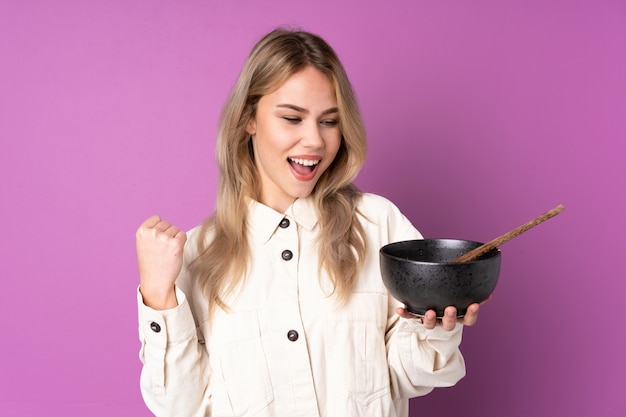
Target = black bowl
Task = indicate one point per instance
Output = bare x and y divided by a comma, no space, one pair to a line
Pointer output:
420,274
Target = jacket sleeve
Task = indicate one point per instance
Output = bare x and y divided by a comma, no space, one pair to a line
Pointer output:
174,378
419,359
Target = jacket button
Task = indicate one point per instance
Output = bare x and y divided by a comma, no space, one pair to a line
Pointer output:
287,255
155,327
292,335
284,223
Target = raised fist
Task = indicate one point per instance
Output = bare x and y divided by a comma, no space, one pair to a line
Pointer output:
160,258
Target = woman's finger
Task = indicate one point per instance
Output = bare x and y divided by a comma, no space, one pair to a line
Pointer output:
150,222
162,226
430,319
471,316
172,231
448,321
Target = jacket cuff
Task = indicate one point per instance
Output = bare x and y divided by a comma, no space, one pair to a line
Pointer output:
436,333
160,328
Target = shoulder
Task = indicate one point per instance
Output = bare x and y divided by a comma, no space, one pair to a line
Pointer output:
193,236
185,280
194,233
376,205
382,217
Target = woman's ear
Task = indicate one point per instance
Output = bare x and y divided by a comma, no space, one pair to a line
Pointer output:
251,127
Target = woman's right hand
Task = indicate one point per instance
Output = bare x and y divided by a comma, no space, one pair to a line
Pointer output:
160,258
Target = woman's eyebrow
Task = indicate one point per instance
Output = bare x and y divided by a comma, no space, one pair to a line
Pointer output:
293,107
303,110
331,111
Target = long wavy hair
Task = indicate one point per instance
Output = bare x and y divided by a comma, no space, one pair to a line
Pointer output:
223,259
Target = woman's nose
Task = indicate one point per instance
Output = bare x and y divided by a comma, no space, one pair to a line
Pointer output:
312,136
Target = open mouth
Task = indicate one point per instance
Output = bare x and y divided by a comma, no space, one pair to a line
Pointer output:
303,166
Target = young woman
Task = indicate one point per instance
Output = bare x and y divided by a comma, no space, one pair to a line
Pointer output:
275,305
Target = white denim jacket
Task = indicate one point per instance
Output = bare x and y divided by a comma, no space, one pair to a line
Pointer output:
286,348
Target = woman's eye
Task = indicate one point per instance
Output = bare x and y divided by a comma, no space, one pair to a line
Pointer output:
330,122
292,119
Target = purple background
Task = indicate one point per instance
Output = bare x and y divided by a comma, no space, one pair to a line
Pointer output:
481,115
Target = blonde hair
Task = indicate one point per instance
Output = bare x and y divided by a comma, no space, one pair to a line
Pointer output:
223,259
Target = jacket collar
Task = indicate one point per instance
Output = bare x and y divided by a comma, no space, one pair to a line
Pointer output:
263,221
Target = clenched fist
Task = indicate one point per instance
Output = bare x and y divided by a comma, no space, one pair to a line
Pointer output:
160,257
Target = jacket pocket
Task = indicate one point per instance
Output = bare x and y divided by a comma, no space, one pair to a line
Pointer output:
241,385
356,348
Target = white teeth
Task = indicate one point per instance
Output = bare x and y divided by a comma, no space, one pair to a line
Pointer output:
305,162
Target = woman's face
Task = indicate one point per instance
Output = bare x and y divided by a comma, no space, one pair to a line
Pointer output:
295,135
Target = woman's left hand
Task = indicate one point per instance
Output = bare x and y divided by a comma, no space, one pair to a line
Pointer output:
449,320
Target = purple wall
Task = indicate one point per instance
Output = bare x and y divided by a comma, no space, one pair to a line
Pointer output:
482,114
